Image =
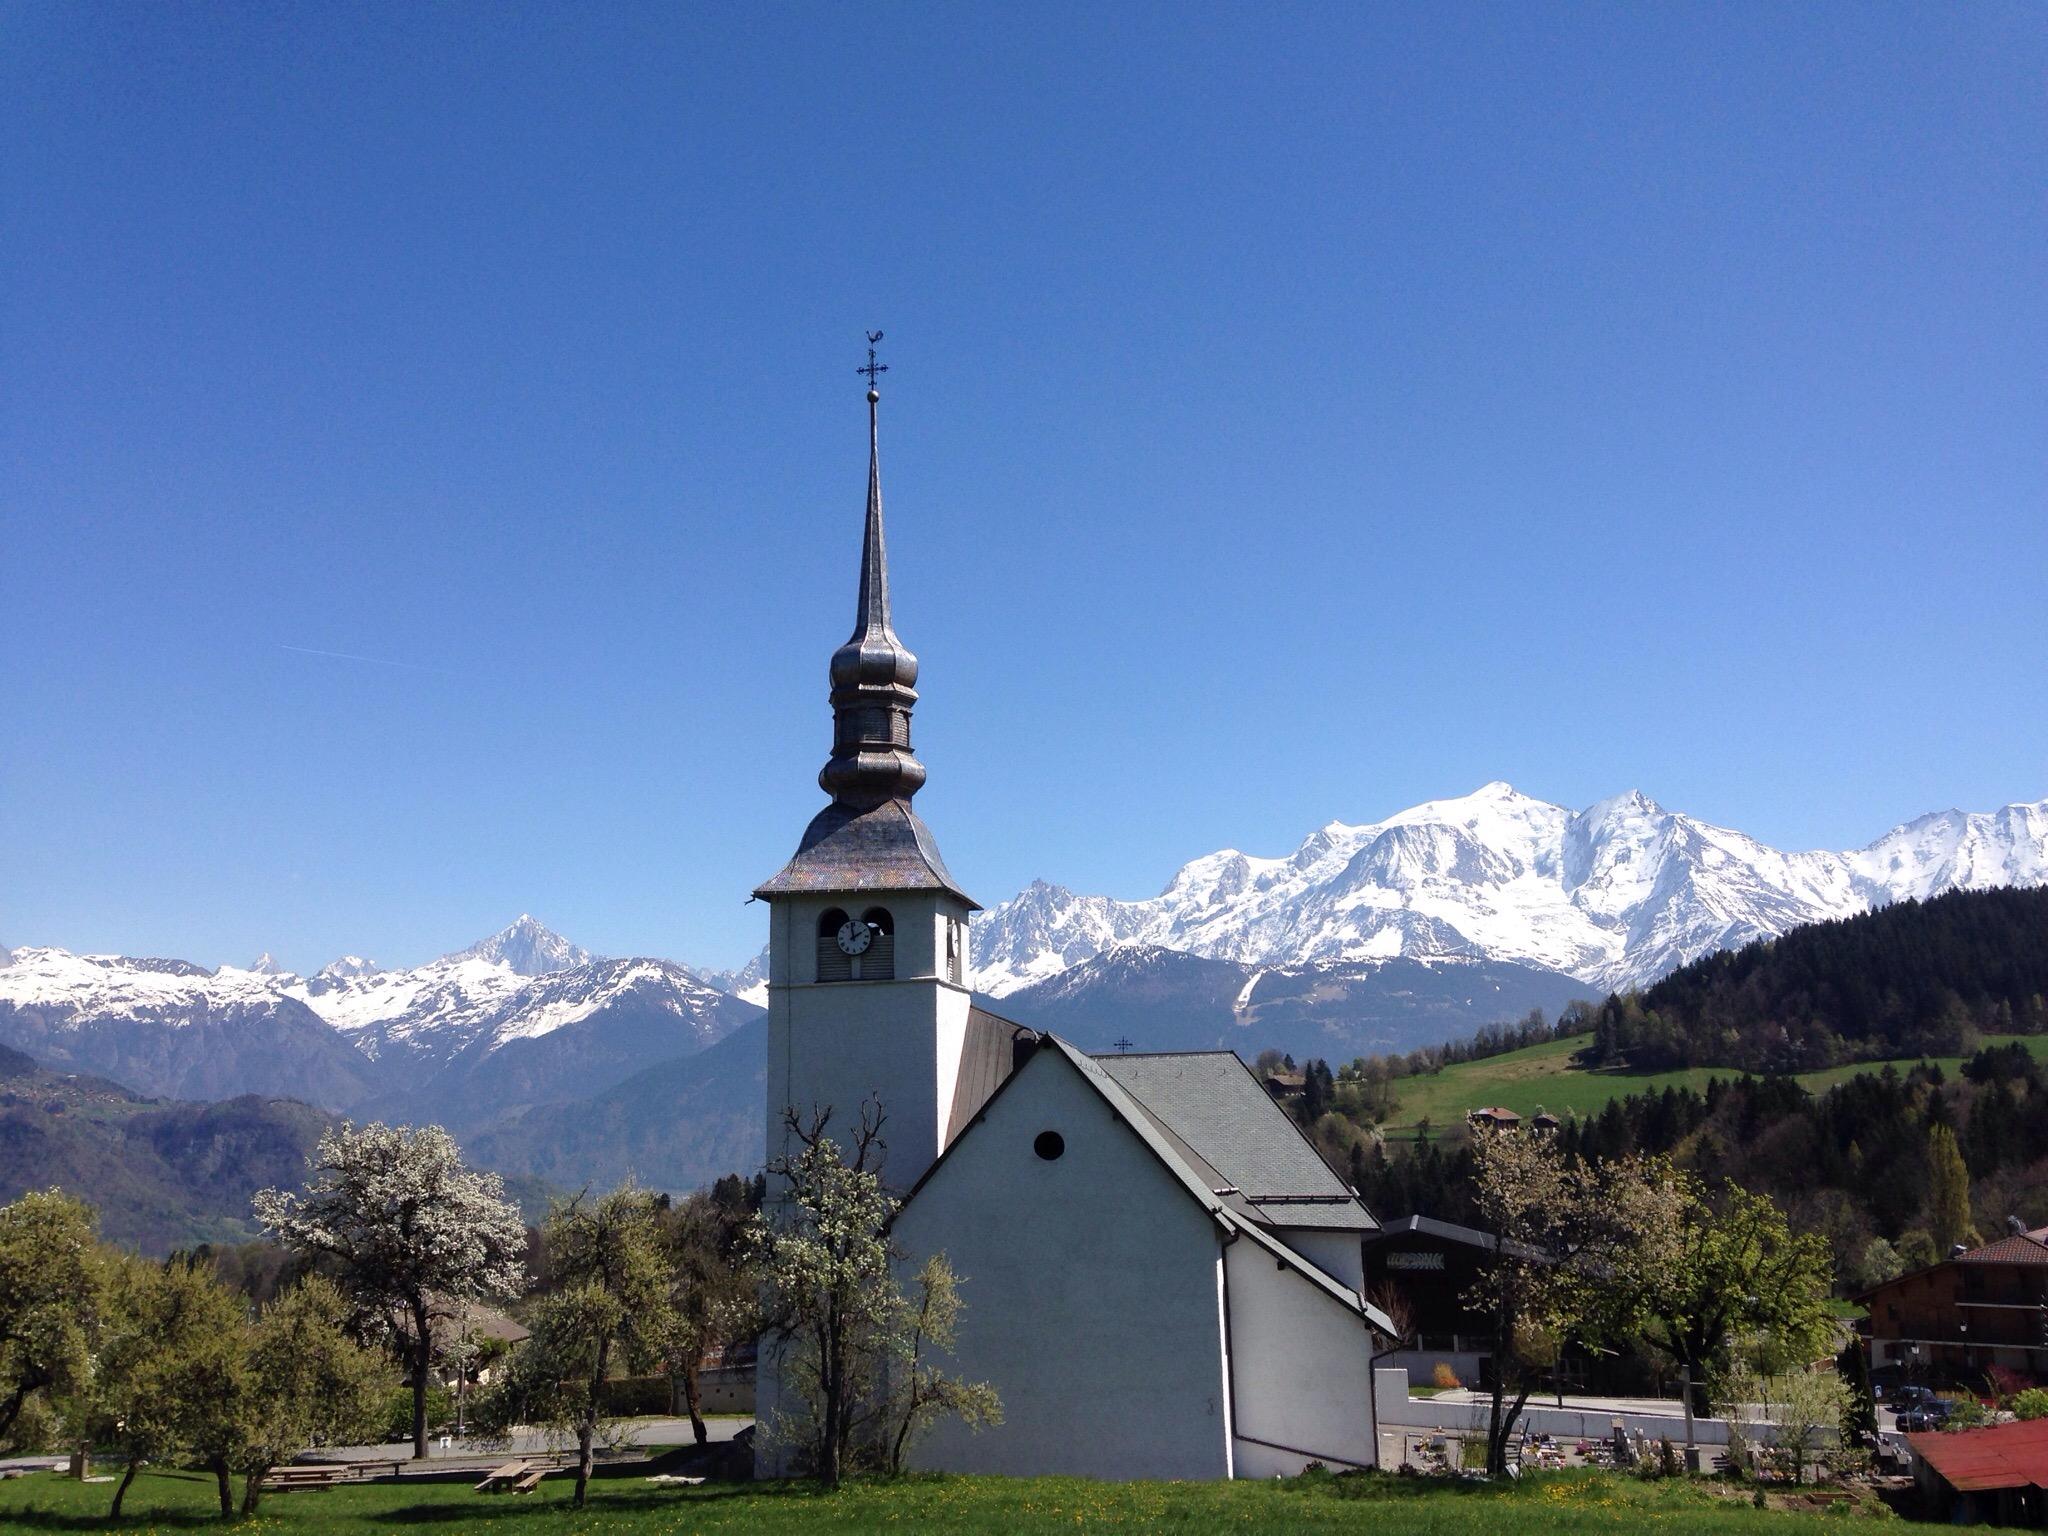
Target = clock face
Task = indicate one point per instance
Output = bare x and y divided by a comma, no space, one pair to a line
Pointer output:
854,937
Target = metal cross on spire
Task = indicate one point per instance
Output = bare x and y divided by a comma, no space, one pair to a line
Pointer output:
874,369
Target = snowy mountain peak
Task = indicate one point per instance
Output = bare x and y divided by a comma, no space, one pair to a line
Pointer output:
265,964
1613,895
528,947
347,968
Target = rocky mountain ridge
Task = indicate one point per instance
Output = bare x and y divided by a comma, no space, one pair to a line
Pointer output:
523,1017
1614,895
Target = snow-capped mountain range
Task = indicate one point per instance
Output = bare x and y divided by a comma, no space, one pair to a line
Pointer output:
262,1029
1614,895
564,1066
1512,898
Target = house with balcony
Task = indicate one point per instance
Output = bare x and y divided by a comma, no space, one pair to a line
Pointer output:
1978,1308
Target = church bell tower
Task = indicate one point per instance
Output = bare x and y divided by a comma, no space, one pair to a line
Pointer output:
867,948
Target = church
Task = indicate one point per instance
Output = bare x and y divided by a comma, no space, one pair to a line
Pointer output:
1162,1276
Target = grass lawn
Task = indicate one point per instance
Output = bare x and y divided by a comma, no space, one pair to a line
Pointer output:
1542,1077
1556,1502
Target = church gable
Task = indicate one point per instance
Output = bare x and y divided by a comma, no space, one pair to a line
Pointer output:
1090,1274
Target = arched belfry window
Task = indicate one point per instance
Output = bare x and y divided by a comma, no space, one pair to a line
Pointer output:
834,963
879,963
862,949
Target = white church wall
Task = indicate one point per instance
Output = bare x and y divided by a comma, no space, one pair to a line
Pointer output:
1090,1290
772,1458
1338,1254
1301,1368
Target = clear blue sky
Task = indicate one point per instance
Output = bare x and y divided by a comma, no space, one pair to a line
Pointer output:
1295,413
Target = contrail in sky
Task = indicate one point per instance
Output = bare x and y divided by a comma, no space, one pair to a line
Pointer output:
375,661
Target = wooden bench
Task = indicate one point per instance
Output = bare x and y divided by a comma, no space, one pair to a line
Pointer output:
529,1480
317,1475
501,1478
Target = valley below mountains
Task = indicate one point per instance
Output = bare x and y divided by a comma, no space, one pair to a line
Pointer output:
562,1068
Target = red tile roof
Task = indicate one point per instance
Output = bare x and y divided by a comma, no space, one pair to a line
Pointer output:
2020,1248
2000,1456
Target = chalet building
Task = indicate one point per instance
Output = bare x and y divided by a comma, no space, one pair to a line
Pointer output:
1162,1277
462,1331
1983,1307
1422,1272
1493,1117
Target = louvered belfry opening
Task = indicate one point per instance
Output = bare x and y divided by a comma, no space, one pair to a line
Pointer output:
879,963
834,963
956,951
875,963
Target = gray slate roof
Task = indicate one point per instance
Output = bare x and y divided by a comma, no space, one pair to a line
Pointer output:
1448,1232
888,848
986,1059
1210,1102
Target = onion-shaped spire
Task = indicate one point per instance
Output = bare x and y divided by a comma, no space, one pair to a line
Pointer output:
873,674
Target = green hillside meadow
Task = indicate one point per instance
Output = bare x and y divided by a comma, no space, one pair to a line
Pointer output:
1561,1503
1542,1077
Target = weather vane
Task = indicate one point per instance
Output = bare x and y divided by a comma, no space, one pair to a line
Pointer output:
874,370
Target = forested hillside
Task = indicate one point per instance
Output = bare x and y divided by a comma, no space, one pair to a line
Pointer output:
162,1174
1914,978
1891,1167
1942,1139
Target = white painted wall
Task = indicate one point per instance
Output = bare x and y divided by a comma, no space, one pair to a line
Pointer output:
1302,1367
1090,1287
1339,1254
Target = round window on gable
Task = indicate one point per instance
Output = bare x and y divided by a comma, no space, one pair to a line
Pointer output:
1049,1145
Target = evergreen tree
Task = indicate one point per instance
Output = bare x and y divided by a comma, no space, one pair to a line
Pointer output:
1948,1201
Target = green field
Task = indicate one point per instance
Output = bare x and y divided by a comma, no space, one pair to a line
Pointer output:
1384,1506
1542,1077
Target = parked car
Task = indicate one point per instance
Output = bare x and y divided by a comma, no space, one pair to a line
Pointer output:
1932,1414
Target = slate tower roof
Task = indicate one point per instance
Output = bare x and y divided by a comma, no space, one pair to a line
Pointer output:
868,838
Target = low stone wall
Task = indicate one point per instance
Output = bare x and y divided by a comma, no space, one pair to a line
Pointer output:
1398,1411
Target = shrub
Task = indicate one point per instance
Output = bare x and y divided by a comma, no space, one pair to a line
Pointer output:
398,1412
1445,1377
1968,1413
2031,1404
